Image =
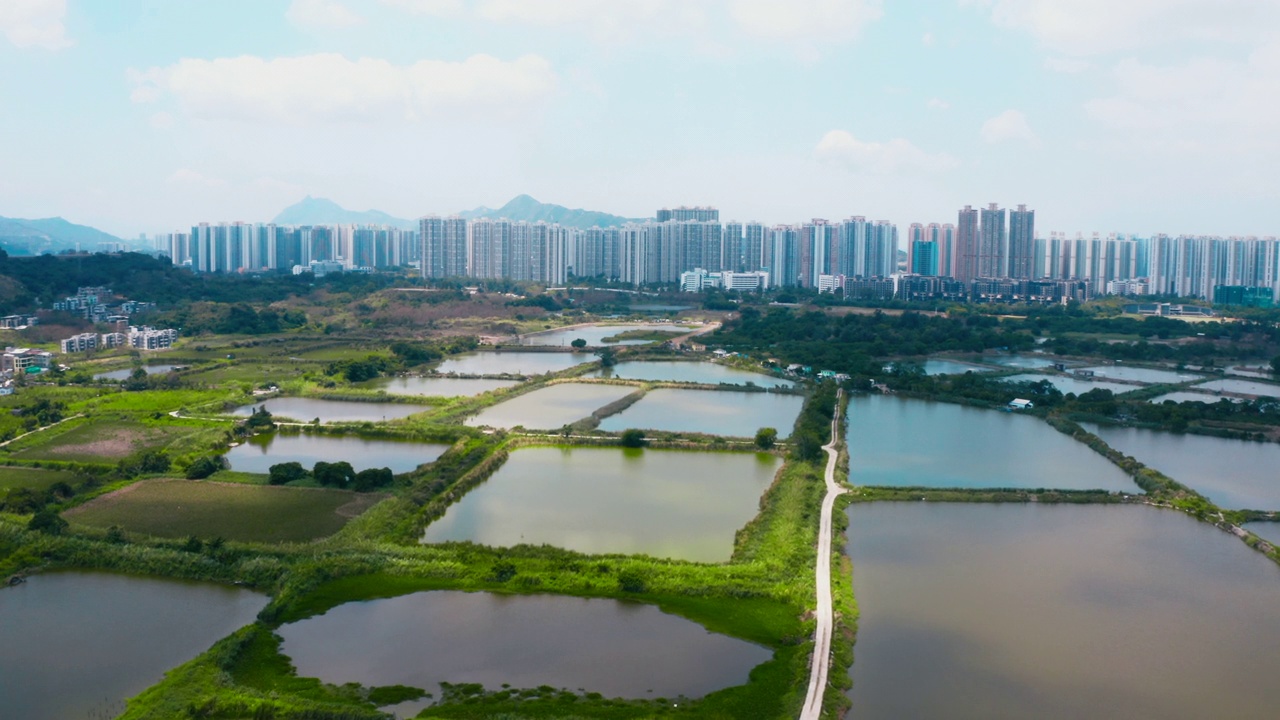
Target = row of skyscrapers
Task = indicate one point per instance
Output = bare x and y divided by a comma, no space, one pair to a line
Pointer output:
984,244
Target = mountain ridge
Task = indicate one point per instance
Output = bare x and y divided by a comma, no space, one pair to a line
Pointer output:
23,236
322,211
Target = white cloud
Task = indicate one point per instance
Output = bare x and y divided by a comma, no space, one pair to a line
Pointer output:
1204,103
34,23
841,148
804,19
439,8
604,20
937,104
329,87
1066,65
1089,27
161,121
189,177
927,40
321,14
1009,125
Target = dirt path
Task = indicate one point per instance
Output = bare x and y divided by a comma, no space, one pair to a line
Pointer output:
821,663
40,429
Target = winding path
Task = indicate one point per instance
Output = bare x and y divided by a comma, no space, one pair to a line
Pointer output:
821,663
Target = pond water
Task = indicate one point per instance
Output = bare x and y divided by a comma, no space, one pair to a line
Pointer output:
79,643
306,409
1029,362
1066,384
260,452
595,334
1139,374
125,373
1058,611
685,505
1269,531
614,648
1179,396
439,386
513,363
735,414
696,372
902,442
1234,474
1245,387
950,367
550,408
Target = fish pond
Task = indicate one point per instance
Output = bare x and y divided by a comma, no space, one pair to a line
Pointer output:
77,644
513,363
611,647
691,372
439,386
1234,474
260,452
1027,362
664,503
1244,387
715,412
1066,384
1141,374
903,442
126,373
306,409
1181,396
550,407
975,611
595,335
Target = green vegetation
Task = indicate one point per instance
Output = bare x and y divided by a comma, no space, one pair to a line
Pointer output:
247,513
766,437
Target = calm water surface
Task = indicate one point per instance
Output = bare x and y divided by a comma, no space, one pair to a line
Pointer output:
126,372
1246,387
685,505
76,643
595,334
950,367
1034,611
736,414
439,386
896,441
1030,362
262,451
696,372
305,409
1138,374
550,407
513,363
1269,531
606,646
1234,474
1180,396
1067,384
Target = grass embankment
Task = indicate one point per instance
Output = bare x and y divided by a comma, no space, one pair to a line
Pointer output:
13,478
247,513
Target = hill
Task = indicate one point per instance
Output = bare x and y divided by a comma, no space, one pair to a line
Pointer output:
319,211
52,235
523,207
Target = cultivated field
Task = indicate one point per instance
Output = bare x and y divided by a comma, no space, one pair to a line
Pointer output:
12,478
250,513
100,441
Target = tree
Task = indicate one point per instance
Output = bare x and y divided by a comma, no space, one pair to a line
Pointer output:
766,437
260,418
633,438
1275,365
287,472
371,478
631,581
338,474
205,466
578,344
48,522
608,358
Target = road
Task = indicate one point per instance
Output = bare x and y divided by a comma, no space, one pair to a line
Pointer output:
820,665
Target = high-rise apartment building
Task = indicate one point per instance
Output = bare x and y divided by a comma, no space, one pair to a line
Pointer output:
992,256
965,265
698,214
1022,240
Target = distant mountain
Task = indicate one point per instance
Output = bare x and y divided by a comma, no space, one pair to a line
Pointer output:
523,207
33,237
319,211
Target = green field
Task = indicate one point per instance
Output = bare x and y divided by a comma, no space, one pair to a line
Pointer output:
103,441
249,513
12,478
254,372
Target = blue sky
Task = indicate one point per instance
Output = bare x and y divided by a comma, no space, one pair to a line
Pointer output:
1139,116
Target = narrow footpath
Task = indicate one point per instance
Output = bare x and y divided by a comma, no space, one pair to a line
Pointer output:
821,662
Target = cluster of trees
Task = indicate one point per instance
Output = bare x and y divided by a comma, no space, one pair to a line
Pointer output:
237,318
411,354
339,475
368,368
23,501
813,427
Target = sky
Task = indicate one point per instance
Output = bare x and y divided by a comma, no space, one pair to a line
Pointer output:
1132,116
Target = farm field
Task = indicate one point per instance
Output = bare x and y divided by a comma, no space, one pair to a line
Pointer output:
248,513
106,440
12,478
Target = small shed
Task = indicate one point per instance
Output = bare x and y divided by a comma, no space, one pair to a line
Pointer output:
1020,404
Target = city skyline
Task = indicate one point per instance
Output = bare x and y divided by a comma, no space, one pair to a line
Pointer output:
1142,120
